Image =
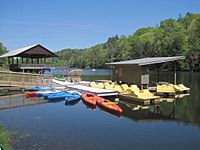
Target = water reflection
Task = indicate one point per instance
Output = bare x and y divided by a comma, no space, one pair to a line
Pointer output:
170,109
109,112
72,102
18,100
92,107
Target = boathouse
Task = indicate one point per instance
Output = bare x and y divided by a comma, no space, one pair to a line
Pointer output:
28,59
137,71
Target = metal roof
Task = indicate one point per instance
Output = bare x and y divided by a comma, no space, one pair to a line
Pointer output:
147,61
16,52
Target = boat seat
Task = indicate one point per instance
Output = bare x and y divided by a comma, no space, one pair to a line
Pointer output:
118,88
184,87
168,88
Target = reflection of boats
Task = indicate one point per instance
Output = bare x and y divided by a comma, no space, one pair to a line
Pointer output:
93,107
110,112
151,112
89,98
134,106
71,103
106,104
181,95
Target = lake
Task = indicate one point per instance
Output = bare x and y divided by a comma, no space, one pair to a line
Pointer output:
169,125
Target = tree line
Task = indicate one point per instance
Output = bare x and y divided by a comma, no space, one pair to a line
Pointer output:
172,37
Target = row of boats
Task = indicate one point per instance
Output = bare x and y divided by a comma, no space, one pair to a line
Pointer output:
135,91
71,95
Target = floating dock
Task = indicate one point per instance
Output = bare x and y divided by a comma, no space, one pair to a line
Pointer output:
66,83
99,92
147,101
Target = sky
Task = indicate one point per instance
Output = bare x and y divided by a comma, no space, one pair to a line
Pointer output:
60,24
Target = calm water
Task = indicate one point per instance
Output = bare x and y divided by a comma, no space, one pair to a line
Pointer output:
170,125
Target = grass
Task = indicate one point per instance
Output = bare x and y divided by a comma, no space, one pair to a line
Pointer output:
4,138
4,69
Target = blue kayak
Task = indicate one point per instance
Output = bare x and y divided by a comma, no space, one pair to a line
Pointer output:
39,88
72,97
59,95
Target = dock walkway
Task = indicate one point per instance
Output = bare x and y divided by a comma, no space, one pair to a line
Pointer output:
99,92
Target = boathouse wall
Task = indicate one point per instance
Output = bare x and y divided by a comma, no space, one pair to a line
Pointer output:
131,74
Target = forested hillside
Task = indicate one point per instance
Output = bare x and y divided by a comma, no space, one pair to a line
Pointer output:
172,37
2,51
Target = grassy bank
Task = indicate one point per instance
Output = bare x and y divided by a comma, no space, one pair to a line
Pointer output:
4,138
4,69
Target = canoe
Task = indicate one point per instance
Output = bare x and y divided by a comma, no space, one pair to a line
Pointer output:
108,104
89,98
72,97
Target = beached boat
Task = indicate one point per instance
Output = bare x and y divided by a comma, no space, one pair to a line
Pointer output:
108,104
89,98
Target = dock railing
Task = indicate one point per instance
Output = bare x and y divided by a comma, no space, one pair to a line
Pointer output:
24,80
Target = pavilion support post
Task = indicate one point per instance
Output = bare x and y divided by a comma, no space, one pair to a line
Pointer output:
17,60
158,73
8,60
13,61
22,60
38,60
31,60
175,72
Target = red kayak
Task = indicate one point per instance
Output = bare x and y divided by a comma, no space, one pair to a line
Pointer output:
31,93
89,98
108,104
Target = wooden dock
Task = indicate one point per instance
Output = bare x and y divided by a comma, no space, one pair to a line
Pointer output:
24,80
98,91
139,101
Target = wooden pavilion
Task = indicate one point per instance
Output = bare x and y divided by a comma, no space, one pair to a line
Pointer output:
137,71
28,59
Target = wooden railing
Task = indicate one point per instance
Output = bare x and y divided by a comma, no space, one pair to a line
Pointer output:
27,66
24,80
35,65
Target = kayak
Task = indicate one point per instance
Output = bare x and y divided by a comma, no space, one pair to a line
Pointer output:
108,104
58,95
46,92
89,98
31,93
60,79
39,88
72,97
